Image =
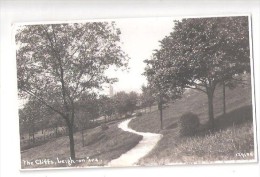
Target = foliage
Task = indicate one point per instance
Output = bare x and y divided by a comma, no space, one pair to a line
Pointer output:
87,110
57,63
107,106
120,99
125,102
162,87
147,98
189,124
132,101
32,116
200,53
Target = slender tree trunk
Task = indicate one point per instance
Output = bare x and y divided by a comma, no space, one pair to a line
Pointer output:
71,137
161,118
82,137
33,133
224,97
29,136
211,110
161,112
56,130
33,138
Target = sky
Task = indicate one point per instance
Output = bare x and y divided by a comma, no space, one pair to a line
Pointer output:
139,37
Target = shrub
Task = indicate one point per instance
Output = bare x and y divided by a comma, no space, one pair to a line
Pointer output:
189,124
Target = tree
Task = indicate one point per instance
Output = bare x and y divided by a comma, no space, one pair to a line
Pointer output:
125,102
203,52
31,115
57,63
107,106
87,111
147,97
132,100
162,87
121,105
232,83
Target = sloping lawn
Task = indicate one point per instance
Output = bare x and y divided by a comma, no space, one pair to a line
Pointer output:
229,142
109,144
233,132
196,102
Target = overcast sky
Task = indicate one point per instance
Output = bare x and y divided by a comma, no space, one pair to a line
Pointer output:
139,37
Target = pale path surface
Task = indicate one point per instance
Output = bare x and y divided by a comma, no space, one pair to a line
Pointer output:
131,157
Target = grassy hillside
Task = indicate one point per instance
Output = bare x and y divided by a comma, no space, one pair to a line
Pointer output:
196,102
101,145
233,143
233,134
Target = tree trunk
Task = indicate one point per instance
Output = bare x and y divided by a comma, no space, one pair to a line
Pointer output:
33,137
29,137
224,97
161,112
56,130
33,130
161,118
71,137
82,137
211,110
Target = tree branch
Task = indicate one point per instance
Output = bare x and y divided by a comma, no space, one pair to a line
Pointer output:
44,102
56,55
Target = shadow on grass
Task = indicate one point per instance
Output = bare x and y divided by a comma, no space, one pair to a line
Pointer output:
232,118
117,151
172,126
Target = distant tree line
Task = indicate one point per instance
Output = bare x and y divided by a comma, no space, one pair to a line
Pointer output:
91,110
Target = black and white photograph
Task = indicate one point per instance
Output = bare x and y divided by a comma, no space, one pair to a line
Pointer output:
130,92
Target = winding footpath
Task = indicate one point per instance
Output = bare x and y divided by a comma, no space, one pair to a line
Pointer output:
131,157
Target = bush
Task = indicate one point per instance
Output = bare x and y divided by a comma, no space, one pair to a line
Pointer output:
189,124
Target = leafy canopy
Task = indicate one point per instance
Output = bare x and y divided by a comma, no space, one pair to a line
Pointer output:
58,62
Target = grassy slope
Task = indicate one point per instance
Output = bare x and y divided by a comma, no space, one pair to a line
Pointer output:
220,146
237,132
196,102
111,144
